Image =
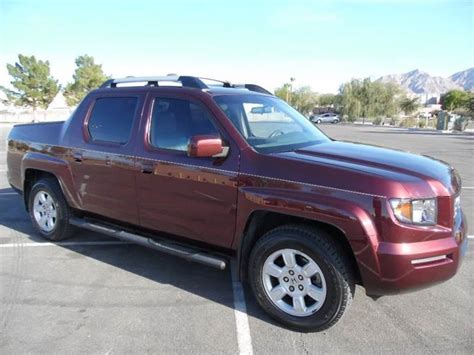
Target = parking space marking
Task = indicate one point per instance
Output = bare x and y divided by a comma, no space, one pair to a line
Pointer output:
468,187
470,237
63,244
244,340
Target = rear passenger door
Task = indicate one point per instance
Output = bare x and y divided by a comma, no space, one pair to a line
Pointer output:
103,160
185,196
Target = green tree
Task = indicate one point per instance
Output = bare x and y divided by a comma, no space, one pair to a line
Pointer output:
456,99
408,105
32,82
304,100
350,103
367,99
389,100
325,100
88,76
283,92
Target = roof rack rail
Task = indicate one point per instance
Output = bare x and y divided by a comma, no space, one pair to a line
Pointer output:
253,87
184,80
224,83
188,81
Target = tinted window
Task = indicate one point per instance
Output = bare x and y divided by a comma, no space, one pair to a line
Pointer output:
175,121
111,119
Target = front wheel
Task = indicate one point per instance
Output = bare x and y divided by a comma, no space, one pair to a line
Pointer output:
49,211
301,278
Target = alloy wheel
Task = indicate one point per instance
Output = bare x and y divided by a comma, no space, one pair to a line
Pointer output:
44,211
294,282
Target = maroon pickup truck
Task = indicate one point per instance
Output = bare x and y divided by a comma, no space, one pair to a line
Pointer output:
212,172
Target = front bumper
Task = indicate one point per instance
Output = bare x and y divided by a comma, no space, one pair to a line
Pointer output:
411,266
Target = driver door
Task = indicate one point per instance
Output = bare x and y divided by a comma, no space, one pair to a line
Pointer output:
181,195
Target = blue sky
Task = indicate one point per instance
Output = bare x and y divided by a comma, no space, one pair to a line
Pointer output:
320,43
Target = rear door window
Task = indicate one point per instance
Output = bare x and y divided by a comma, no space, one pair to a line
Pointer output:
112,118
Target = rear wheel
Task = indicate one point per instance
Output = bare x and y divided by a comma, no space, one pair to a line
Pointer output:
301,278
49,211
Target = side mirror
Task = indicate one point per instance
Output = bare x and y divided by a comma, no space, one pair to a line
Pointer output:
206,147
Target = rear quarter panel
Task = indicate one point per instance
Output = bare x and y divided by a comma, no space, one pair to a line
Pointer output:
40,146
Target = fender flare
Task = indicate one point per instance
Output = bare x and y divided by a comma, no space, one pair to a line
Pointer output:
54,166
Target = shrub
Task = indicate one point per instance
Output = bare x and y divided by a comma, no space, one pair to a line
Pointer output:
394,121
348,118
409,122
378,120
421,123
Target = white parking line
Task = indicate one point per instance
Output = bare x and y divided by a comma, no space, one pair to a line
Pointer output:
468,187
470,237
61,244
244,340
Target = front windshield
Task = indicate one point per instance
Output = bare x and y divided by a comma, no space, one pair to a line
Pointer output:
268,123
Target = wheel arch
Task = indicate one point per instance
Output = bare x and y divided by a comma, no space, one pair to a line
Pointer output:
261,221
35,166
31,176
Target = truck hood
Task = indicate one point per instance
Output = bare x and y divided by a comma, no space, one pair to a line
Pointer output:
377,168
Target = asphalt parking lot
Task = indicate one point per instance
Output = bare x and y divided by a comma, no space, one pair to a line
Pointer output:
94,295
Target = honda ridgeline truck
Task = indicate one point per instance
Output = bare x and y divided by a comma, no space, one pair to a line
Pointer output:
212,173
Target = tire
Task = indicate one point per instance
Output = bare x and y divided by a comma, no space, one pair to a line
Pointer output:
318,121
333,282
49,200
335,121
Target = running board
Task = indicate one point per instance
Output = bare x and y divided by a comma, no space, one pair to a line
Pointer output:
185,252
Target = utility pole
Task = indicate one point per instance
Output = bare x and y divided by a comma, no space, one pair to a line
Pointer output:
290,90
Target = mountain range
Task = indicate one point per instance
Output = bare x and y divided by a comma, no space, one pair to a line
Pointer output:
420,82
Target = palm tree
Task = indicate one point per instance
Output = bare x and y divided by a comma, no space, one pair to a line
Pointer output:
408,105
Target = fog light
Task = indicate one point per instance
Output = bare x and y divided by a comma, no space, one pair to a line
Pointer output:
428,260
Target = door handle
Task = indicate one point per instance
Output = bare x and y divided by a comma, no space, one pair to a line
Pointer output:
77,157
147,168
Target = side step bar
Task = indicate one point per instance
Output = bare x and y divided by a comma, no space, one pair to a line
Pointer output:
185,252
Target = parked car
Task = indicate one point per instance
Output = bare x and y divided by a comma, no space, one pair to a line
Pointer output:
212,174
325,118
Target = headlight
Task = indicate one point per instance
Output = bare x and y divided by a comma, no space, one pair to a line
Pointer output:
415,211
